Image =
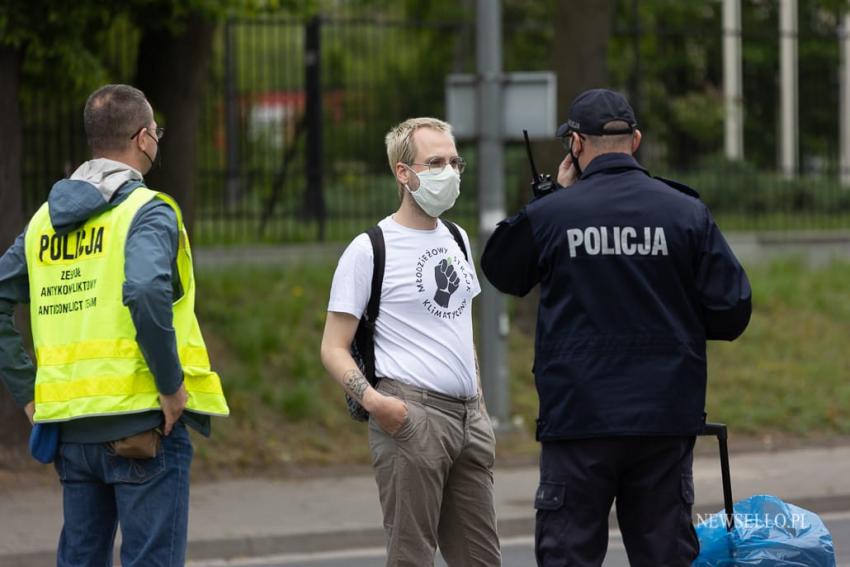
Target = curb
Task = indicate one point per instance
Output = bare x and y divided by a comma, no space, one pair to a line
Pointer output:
261,546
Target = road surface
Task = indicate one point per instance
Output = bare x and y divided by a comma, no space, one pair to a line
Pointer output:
516,552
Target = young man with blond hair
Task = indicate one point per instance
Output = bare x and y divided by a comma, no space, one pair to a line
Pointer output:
431,439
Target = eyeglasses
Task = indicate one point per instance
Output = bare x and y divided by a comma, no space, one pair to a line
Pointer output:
160,132
567,140
438,164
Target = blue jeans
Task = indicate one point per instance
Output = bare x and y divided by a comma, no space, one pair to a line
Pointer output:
149,498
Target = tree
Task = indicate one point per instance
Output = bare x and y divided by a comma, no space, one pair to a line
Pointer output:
36,39
580,59
575,47
33,35
55,46
170,70
11,212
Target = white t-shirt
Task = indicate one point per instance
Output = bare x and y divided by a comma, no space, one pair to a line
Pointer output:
423,335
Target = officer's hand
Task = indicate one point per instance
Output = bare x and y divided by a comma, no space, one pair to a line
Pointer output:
172,407
30,411
567,173
390,413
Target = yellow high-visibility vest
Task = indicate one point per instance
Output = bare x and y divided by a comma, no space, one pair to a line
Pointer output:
89,363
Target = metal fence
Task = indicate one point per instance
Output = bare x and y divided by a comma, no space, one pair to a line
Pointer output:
291,140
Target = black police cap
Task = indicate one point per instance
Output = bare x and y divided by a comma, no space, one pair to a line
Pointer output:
593,109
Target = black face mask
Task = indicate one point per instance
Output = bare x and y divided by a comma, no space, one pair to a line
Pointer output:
575,161
154,162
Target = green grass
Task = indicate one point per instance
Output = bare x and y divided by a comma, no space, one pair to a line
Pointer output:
776,221
264,328
789,373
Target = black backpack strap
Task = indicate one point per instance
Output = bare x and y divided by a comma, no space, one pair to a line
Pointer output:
457,236
379,254
363,345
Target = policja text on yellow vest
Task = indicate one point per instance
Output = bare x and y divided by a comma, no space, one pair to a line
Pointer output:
89,363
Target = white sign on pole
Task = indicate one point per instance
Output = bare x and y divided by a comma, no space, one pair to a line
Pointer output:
529,102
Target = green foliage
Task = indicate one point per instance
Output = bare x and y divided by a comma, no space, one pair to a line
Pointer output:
738,187
529,35
76,45
740,196
390,72
384,61
173,14
676,82
700,115
788,373
263,327
271,322
672,72
53,37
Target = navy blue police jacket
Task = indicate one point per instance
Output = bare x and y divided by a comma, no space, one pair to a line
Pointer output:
634,277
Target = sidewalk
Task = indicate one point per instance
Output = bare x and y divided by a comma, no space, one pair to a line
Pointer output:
254,517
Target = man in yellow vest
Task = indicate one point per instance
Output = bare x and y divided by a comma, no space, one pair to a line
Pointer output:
122,368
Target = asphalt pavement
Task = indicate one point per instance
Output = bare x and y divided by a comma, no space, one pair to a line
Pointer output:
516,552
335,520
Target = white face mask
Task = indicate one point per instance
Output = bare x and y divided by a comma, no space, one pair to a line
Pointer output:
437,192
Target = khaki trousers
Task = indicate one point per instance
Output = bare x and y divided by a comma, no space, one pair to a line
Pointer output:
435,481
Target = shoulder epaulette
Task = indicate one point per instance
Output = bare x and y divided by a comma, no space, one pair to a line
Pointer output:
681,187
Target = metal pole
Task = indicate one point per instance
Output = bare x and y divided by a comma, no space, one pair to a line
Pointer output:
844,39
788,78
492,315
732,80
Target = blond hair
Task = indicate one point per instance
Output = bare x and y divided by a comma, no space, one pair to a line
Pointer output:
399,141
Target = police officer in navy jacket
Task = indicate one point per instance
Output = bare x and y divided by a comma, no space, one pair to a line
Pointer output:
634,277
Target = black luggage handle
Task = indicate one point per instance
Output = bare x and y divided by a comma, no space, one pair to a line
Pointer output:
719,430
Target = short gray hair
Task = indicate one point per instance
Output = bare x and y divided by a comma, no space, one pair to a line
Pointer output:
113,113
615,141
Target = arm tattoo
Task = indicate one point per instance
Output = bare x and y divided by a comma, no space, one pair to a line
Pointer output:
355,383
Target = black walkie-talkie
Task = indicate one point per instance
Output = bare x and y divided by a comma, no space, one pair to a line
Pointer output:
540,184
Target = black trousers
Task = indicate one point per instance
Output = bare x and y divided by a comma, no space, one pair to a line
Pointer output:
651,479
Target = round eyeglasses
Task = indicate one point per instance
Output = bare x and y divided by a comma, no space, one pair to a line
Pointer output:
438,164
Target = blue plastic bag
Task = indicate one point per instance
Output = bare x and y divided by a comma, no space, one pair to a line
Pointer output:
768,532
44,442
